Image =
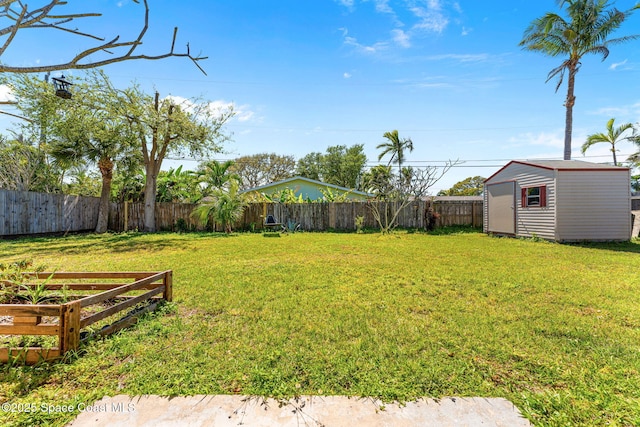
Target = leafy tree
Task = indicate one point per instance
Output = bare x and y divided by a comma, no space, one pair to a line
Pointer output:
635,183
310,166
128,185
472,186
178,186
262,169
395,146
340,165
343,166
23,167
39,109
225,207
613,136
165,126
83,182
586,30
378,181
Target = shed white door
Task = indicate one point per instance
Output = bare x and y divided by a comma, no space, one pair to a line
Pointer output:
501,209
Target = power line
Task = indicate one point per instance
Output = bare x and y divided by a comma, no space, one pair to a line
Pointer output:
423,163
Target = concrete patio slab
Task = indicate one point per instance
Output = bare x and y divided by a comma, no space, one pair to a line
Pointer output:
307,411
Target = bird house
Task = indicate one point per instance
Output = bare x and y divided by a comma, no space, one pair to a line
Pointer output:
62,87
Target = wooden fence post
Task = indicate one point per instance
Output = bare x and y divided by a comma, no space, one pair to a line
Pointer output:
168,285
126,216
69,326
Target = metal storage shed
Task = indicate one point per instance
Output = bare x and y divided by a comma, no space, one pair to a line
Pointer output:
560,200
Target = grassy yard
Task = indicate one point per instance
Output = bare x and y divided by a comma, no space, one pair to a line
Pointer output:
553,328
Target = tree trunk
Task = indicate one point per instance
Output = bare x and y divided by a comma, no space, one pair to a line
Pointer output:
106,170
569,103
150,199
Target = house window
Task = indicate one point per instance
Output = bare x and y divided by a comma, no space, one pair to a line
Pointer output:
534,197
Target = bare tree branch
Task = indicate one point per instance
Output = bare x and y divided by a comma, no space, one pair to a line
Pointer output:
21,18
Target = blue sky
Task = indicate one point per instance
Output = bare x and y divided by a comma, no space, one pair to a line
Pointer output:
305,75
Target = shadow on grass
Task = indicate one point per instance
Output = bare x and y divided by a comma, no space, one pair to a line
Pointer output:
632,246
120,242
455,229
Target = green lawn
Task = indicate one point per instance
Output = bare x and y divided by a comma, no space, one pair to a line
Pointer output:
553,328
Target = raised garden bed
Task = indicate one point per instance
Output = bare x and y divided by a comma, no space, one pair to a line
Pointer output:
71,318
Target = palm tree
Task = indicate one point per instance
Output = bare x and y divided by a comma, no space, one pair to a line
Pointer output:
225,208
635,157
612,137
395,146
587,30
214,174
102,148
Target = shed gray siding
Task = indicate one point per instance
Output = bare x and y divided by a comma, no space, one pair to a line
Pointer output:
594,206
534,221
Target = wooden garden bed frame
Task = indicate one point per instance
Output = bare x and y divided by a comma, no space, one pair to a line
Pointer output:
27,318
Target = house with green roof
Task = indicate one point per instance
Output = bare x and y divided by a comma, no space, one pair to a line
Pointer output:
308,190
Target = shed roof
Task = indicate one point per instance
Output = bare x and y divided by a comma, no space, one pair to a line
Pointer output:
563,165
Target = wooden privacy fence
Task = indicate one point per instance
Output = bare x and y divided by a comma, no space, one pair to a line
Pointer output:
66,320
310,216
26,212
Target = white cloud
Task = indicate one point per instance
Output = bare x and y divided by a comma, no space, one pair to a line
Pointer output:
347,75
465,31
401,38
242,113
616,65
221,104
430,20
382,6
425,17
371,49
5,94
346,3
622,113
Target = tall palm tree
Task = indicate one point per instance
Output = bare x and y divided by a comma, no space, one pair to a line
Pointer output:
586,30
612,137
395,147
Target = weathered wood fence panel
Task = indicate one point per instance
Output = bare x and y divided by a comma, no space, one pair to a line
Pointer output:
169,217
26,212
459,213
310,216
